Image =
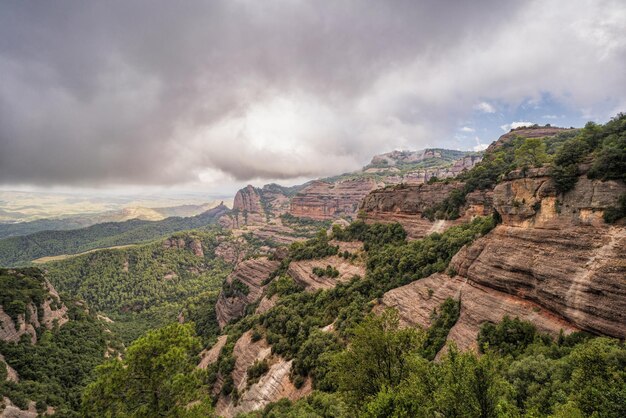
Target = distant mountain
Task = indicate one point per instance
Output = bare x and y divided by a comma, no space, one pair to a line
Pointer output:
14,229
21,250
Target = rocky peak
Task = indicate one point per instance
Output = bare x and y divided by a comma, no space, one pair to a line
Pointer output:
527,132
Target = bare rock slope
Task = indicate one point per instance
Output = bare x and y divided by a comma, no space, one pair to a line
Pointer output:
552,261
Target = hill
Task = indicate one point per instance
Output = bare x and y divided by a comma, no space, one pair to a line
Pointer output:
21,250
63,223
49,346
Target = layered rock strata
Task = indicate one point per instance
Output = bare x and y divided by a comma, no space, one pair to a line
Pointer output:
552,261
479,304
406,204
302,272
252,273
272,386
321,200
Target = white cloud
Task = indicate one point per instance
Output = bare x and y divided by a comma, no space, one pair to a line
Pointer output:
550,116
485,107
467,129
234,92
514,125
479,145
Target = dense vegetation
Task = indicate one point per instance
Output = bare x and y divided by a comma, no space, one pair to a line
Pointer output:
157,377
602,147
20,287
143,286
53,371
22,250
383,374
292,327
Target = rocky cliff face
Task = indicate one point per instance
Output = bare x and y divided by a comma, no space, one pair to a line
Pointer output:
322,200
340,196
406,205
552,261
252,274
192,244
247,209
272,386
48,314
556,251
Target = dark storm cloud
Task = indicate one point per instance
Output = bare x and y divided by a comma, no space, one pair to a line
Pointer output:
138,92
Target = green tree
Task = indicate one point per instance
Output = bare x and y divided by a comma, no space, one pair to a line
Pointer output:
378,357
531,153
156,378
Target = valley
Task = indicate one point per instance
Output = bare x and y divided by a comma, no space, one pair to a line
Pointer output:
481,263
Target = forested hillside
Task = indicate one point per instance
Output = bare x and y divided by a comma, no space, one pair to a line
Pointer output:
21,250
52,369
148,285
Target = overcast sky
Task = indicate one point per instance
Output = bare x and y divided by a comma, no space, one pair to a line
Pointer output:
210,95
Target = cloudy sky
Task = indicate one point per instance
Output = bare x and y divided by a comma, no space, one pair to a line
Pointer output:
210,95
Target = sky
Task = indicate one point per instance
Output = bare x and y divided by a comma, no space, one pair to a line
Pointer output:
207,96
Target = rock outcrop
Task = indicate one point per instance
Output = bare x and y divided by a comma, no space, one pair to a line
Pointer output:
211,355
322,200
272,386
556,251
527,132
192,244
52,312
302,272
479,304
252,274
248,209
406,204
552,261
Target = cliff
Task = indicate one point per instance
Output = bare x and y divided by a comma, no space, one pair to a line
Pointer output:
271,386
322,200
552,261
246,284
406,204
340,196
32,304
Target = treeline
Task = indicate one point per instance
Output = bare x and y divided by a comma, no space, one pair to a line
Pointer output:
21,250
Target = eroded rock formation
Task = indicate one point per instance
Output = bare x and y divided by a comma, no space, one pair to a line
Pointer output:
272,386
323,200
302,272
52,312
552,261
252,273
406,204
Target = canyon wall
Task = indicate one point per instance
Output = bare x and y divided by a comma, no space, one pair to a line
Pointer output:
552,261
321,200
406,204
